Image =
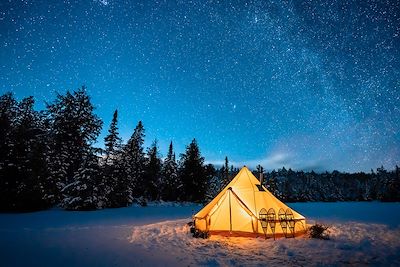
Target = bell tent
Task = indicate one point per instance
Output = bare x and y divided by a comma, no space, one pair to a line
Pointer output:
246,208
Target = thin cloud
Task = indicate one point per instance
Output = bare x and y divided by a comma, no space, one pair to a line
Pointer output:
276,161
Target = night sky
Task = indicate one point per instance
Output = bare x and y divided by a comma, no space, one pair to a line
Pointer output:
309,85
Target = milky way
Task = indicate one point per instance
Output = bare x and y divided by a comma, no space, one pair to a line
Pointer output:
309,85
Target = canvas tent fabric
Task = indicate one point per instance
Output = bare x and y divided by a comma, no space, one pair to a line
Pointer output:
236,210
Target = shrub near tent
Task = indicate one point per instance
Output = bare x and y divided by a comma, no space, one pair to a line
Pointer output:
246,208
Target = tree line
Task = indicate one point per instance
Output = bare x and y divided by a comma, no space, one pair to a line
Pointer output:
300,186
48,159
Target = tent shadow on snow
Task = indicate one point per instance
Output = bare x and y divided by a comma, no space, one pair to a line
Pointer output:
246,208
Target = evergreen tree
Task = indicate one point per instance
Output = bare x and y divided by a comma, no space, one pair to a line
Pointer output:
134,163
171,183
392,190
84,192
112,141
118,188
23,169
192,174
8,182
73,129
152,174
220,179
272,183
116,185
213,186
30,148
225,174
8,117
234,171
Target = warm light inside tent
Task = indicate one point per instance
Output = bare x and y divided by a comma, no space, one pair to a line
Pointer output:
237,208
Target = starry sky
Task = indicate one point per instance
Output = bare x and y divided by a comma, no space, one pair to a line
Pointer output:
304,84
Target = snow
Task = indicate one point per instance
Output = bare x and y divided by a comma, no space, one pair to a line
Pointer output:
362,233
352,243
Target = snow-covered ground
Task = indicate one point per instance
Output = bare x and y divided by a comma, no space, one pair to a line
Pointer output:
363,233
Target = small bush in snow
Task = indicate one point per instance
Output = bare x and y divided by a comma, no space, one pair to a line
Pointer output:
142,201
319,231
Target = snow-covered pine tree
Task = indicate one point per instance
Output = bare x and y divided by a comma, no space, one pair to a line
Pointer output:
213,188
152,175
73,128
119,188
171,183
219,180
193,174
392,184
225,174
62,156
134,163
272,183
112,141
23,167
84,192
116,186
30,147
8,183
213,182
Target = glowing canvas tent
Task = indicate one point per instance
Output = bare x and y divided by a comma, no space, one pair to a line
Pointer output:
246,208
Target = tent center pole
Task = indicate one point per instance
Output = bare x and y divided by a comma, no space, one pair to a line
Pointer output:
230,211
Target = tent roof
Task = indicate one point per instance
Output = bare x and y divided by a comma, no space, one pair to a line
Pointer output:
244,185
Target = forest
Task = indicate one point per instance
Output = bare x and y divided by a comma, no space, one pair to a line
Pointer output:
48,159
